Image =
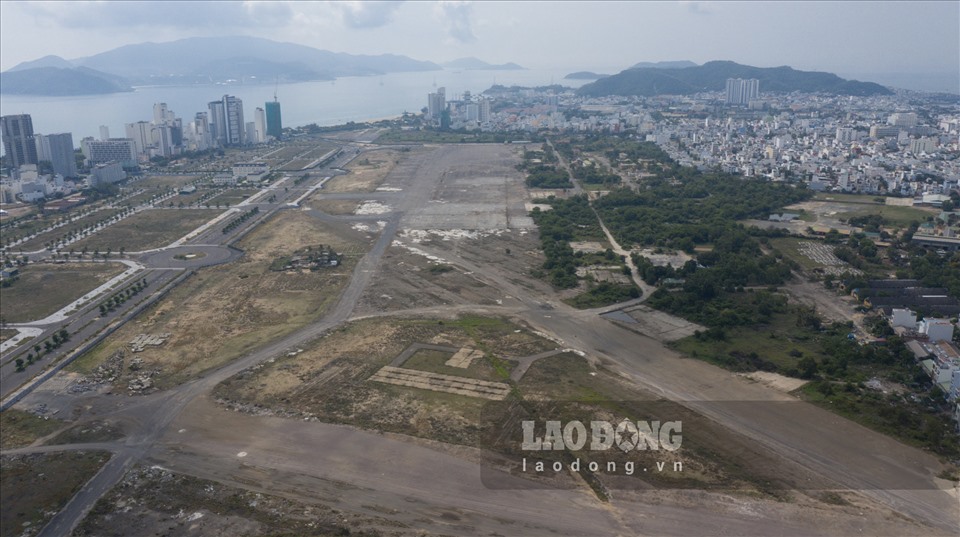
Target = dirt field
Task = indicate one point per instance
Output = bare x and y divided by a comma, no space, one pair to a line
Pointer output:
222,312
337,207
148,229
35,487
331,382
367,172
19,428
45,288
152,499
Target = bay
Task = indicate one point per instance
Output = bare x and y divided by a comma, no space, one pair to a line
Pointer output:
321,102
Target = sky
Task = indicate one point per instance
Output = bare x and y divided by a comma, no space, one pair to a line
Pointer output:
848,38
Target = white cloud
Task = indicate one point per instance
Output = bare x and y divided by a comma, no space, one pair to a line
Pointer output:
456,18
362,15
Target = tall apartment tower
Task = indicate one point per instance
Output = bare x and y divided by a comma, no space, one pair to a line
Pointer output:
260,125
58,149
274,125
140,133
436,103
226,120
18,143
742,91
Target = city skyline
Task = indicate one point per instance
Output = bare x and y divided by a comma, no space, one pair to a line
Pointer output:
610,36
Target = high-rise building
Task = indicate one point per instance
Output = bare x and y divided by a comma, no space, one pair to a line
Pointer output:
260,125
18,144
226,117
483,114
742,91
58,150
436,103
104,132
274,125
140,133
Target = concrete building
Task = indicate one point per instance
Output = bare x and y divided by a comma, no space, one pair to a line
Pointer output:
226,119
274,123
260,124
436,103
121,150
107,173
18,143
104,132
140,133
58,150
903,317
252,170
741,91
937,329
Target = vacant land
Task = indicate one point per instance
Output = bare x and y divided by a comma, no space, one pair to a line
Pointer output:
367,172
148,229
45,288
336,207
222,312
163,182
331,381
35,487
232,196
898,217
19,428
61,233
149,499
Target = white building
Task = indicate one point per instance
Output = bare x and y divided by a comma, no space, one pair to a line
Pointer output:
107,173
122,150
903,317
937,329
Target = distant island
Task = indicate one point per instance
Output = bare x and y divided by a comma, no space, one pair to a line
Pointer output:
712,76
682,64
474,64
196,60
584,75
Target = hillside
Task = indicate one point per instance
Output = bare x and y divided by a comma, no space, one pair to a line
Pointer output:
682,64
712,76
584,75
202,60
55,81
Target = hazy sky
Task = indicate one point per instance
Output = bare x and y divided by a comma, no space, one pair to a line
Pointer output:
842,37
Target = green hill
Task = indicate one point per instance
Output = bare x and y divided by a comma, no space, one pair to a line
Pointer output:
712,76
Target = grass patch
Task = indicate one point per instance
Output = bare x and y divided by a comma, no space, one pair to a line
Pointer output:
148,229
777,346
19,428
45,288
893,215
848,198
35,487
604,294
440,137
483,368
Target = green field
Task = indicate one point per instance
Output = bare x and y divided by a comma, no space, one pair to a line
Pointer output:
152,228
847,198
895,216
790,248
769,347
43,289
19,428
35,487
232,196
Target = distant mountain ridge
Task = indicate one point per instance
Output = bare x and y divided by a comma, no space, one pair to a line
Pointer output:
682,64
584,75
474,64
712,76
205,60
56,81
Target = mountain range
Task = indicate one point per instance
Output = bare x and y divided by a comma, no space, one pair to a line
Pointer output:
712,76
473,64
196,60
